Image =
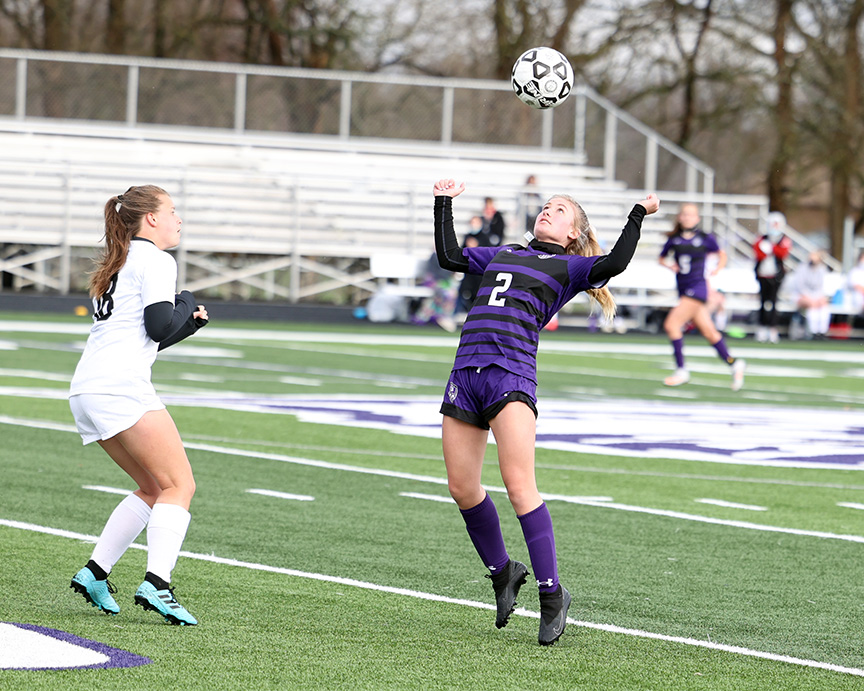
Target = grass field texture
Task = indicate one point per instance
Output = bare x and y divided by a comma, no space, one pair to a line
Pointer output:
711,540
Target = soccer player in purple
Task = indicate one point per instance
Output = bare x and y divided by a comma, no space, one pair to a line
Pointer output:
689,247
494,380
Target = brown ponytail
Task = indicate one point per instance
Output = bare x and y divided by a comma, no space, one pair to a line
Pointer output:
123,215
586,245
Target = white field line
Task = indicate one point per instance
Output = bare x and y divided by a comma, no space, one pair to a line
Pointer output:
850,505
281,495
108,490
731,504
609,628
427,497
589,501
595,345
37,424
585,501
696,476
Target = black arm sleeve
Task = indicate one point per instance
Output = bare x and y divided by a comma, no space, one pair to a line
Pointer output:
617,260
446,245
168,324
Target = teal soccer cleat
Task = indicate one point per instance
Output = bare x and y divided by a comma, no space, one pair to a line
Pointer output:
96,592
163,602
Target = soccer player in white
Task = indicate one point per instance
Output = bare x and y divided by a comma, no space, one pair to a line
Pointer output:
137,313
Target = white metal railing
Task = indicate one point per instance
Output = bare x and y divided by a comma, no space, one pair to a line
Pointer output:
295,239
572,124
290,235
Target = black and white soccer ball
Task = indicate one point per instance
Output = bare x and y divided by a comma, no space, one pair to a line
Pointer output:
542,78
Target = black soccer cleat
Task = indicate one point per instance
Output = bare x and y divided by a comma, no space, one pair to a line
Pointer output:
506,585
553,615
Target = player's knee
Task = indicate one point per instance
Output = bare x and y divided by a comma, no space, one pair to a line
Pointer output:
523,496
464,493
188,488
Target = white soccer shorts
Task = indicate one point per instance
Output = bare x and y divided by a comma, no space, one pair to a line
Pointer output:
102,416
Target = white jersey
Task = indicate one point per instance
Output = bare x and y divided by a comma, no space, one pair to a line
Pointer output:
119,354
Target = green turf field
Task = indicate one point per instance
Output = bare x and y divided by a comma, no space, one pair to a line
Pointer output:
711,540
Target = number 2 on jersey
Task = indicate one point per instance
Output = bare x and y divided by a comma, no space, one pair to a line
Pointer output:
494,299
105,303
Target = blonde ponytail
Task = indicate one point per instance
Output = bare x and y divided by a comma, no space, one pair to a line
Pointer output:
586,245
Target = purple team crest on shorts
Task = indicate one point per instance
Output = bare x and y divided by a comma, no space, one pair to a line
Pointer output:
452,392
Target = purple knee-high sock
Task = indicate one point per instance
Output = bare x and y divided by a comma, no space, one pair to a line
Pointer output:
678,349
723,352
482,524
540,538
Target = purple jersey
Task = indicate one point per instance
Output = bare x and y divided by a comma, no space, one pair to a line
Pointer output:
521,290
690,253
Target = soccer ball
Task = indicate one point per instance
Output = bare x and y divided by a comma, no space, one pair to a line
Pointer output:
542,78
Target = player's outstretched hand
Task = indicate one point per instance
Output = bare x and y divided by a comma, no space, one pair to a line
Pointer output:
651,203
201,316
448,188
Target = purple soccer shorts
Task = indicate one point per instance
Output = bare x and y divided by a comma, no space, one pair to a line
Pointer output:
476,395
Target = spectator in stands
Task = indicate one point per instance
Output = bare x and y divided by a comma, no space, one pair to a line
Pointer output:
689,246
808,288
771,249
440,307
494,380
114,404
470,282
856,285
492,233
530,203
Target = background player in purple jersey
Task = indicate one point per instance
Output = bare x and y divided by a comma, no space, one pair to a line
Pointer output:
493,383
689,245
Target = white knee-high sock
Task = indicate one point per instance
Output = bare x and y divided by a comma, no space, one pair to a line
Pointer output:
124,525
165,533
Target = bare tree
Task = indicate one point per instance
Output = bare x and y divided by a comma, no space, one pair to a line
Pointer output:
523,24
115,29
784,115
832,124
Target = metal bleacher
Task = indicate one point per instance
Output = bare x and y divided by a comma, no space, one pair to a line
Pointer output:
298,216
249,212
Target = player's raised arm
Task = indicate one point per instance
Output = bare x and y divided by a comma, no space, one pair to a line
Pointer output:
617,260
446,243
651,203
448,188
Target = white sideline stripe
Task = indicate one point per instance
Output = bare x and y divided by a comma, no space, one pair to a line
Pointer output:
609,628
60,427
731,504
850,505
229,451
281,495
597,345
546,497
37,424
109,490
428,497
590,501
733,524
